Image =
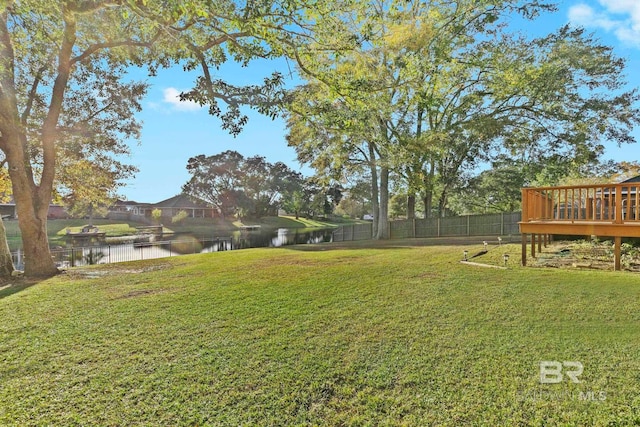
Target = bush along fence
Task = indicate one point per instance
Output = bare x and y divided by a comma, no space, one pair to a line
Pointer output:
501,224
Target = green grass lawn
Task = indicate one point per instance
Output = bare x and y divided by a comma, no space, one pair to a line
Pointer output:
320,335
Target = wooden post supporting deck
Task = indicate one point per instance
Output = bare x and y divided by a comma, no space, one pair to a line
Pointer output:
540,243
533,245
525,217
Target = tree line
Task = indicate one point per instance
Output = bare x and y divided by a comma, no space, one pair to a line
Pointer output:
254,188
432,92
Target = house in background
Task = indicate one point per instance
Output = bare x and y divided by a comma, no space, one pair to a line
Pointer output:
8,210
193,207
128,210
125,210
635,179
604,201
135,211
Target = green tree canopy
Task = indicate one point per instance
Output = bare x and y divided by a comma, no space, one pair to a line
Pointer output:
64,84
437,89
235,184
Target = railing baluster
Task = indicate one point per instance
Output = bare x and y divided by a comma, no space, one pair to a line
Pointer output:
581,203
618,199
635,205
609,210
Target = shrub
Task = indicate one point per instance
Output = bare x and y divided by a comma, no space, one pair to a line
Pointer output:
156,214
179,217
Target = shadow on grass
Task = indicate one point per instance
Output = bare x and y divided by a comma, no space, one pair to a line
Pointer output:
397,243
322,247
10,287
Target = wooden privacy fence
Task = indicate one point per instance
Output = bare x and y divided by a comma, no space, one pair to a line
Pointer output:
353,232
468,225
501,224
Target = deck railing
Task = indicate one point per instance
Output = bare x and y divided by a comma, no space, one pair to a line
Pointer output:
612,203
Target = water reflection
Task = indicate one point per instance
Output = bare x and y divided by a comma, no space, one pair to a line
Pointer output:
282,237
181,245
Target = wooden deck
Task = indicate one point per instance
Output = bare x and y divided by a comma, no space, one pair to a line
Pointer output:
603,210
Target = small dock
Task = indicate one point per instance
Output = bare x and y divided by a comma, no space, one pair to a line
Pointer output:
155,230
250,228
88,234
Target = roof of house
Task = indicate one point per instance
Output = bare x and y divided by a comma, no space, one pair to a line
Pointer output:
181,201
634,179
129,203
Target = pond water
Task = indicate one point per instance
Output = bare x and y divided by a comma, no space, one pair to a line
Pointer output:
281,237
182,244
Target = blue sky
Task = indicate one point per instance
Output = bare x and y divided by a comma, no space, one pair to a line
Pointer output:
174,131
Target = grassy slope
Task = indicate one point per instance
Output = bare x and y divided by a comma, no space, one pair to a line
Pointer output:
351,336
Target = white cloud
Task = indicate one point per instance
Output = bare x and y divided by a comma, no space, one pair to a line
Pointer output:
624,7
171,96
620,17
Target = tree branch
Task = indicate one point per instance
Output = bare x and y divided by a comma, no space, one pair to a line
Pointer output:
49,131
32,93
8,98
108,45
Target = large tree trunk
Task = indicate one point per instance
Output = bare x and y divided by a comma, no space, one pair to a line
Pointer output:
32,199
411,199
427,201
442,204
383,218
32,219
411,206
375,206
32,207
6,262
37,256
428,191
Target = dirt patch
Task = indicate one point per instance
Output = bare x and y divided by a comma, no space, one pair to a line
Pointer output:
140,292
112,270
405,243
587,255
